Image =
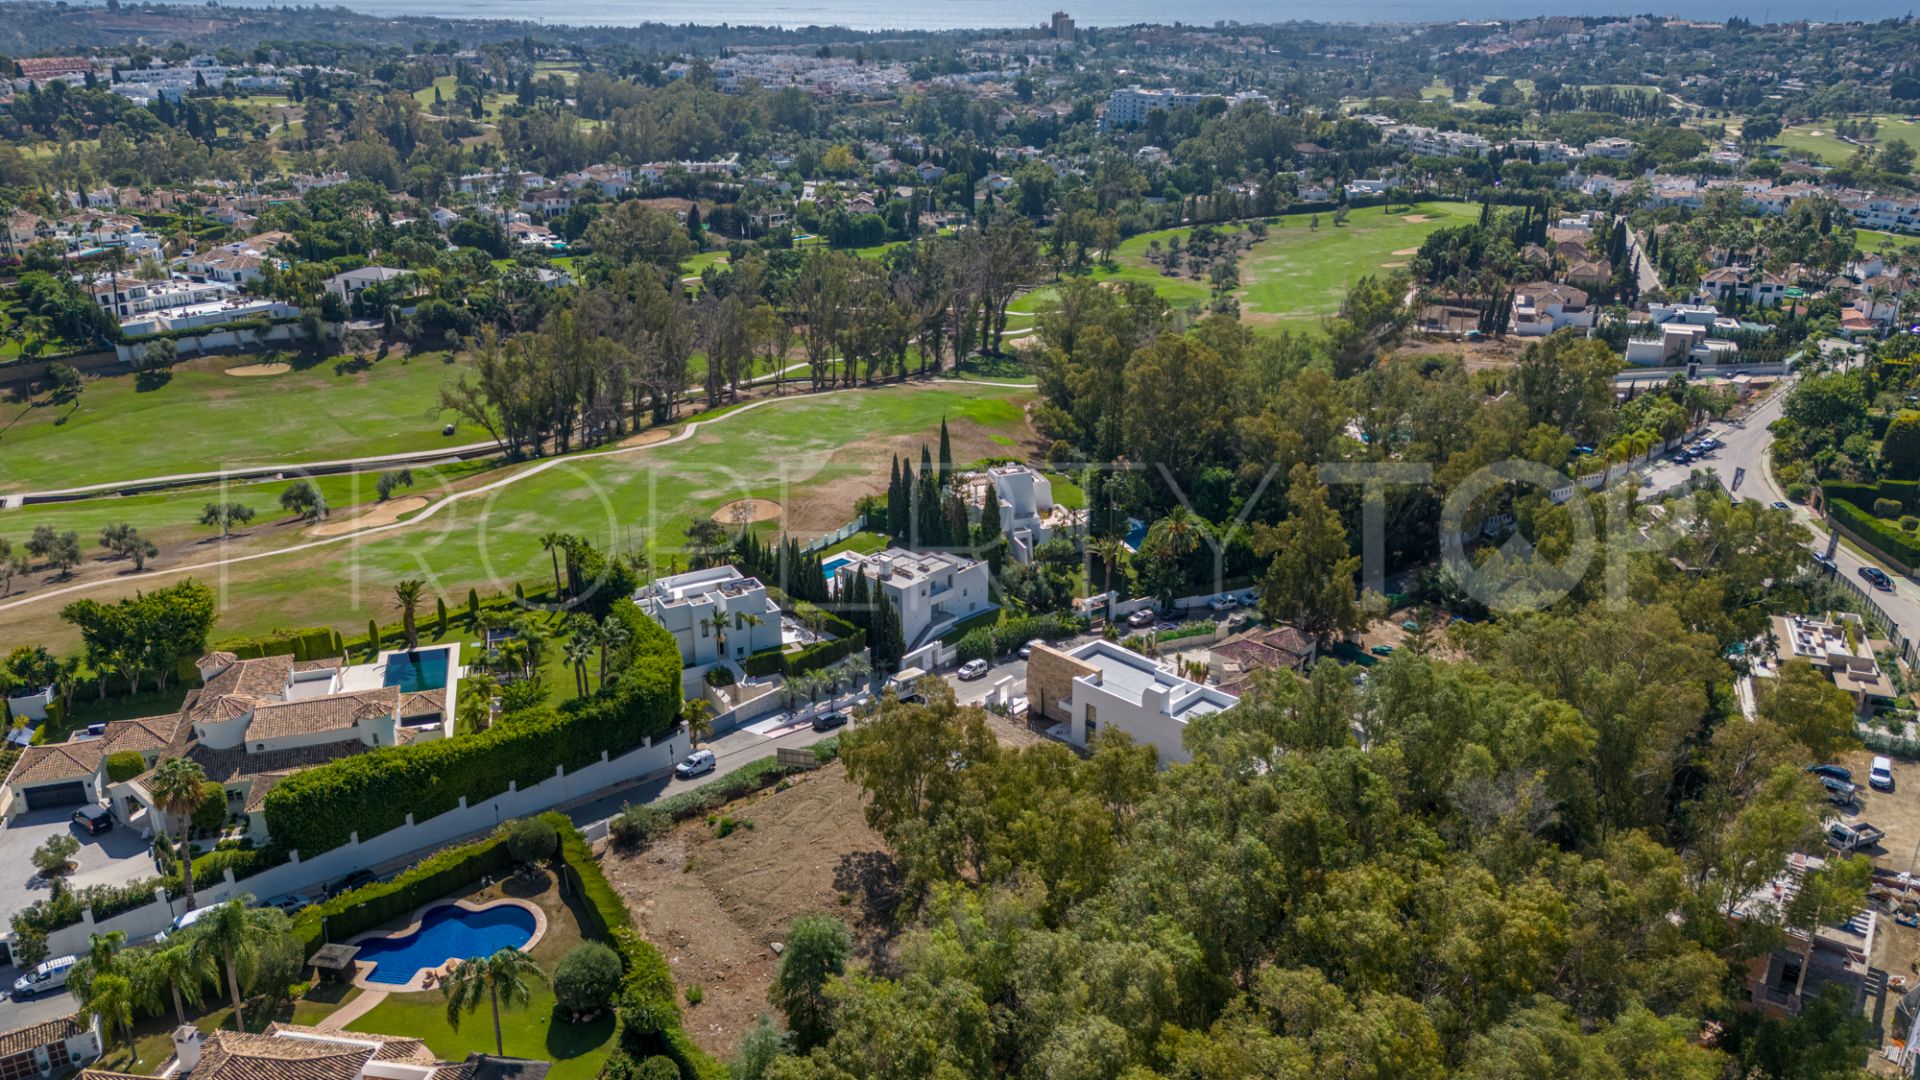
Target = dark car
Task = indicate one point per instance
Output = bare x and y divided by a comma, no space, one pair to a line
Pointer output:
351,882
829,721
93,820
1877,578
1839,792
1835,772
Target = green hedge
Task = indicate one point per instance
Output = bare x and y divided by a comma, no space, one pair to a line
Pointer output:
776,661
743,781
1894,542
370,905
125,765
244,862
985,641
306,643
320,809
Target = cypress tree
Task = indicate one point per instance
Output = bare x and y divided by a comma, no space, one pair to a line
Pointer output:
946,454
473,607
894,501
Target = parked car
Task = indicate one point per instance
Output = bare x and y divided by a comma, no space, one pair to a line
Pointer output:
1823,559
1839,792
1877,578
188,918
973,669
830,721
1026,651
352,881
45,978
1837,772
698,763
93,819
291,903
1223,603
1880,774
1778,505
1142,619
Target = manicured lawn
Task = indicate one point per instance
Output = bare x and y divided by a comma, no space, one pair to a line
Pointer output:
1818,140
201,418
863,542
816,454
1299,274
533,1030
694,266
1870,240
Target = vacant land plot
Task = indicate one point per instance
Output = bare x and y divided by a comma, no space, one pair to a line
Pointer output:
814,455
716,905
197,418
1299,273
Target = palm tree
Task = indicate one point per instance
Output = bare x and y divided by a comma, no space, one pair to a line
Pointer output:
513,654
175,971
103,958
858,668
407,595
1110,550
475,711
1177,534
111,998
579,649
611,637
506,974
234,934
698,714
178,787
553,543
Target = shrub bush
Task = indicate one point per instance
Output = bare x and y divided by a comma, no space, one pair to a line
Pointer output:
719,676
636,826
588,978
320,809
1798,491
531,840
658,1068
125,765
1886,508
975,644
211,814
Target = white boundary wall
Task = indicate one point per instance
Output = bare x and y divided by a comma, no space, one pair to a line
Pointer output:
413,838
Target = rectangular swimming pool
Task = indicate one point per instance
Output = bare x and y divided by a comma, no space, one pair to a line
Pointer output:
423,669
832,566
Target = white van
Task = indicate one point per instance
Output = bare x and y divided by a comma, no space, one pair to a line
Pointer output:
45,979
181,923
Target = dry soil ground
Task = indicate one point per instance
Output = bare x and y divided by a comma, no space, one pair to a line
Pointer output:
717,905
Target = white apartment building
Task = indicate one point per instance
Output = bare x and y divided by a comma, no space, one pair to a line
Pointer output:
715,614
1132,105
1104,686
931,591
1612,147
1433,143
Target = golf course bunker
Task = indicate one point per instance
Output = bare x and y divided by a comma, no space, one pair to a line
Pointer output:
647,437
1408,251
1415,219
385,513
254,371
748,511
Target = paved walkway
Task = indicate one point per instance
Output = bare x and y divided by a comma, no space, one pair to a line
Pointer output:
368,1001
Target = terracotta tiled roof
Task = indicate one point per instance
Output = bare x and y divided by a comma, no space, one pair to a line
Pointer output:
262,679
217,659
152,733
58,761
335,712
423,703
392,1047
21,1040
233,1055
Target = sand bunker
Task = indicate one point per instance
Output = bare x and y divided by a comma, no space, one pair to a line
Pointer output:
1417,218
647,437
385,513
747,510
1392,265
249,371
1408,251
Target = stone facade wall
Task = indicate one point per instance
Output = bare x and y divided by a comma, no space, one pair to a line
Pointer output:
1050,675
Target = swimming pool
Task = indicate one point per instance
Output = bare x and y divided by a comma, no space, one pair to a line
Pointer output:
424,669
832,566
448,932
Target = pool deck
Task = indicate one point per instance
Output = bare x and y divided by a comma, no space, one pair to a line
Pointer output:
419,981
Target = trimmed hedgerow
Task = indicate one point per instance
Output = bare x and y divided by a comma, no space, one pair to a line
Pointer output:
125,765
322,808
1894,542
377,902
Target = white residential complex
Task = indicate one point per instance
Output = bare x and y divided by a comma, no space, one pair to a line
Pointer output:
715,614
931,591
1132,105
1434,143
1104,686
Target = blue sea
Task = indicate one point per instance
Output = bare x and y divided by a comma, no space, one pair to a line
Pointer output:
984,14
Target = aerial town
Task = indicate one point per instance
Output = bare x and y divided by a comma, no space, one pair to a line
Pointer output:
1067,551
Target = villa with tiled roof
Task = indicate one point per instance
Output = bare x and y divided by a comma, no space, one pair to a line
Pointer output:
297,1052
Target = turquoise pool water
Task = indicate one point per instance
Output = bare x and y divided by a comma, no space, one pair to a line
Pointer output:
832,566
423,669
448,932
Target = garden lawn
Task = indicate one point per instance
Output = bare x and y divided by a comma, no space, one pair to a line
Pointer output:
202,418
1299,274
531,1030
814,454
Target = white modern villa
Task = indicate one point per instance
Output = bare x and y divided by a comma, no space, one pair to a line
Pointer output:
715,614
931,590
1103,685
1028,515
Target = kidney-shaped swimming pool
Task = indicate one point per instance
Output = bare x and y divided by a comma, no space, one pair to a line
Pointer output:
447,932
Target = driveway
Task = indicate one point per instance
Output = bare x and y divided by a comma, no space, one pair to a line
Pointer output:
111,858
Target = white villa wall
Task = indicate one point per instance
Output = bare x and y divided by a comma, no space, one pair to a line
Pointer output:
413,838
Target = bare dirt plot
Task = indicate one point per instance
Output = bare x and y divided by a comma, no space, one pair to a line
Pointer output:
385,513
1416,219
246,371
747,511
819,493
716,905
647,437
